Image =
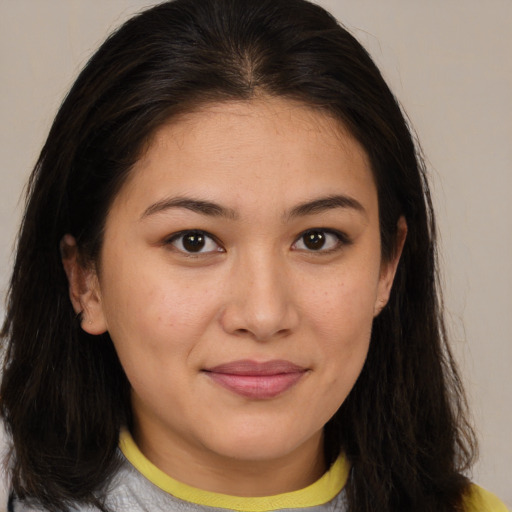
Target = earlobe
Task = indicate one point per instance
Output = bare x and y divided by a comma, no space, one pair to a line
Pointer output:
84,290
388,269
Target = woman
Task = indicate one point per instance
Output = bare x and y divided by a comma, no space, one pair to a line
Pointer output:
225,286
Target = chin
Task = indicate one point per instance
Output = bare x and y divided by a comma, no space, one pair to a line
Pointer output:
270,444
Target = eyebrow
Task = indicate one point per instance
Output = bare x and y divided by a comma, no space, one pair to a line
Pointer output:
326,203
196,205
212,209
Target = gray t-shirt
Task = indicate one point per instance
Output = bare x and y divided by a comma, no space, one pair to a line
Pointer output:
130,491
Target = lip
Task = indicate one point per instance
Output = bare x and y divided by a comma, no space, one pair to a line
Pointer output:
256,380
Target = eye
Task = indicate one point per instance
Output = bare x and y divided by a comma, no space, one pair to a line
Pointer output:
194,242
319,240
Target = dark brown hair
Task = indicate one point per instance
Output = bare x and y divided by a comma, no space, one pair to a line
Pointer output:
64,395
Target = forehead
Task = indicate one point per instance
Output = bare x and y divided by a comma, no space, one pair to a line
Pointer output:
259,118
267,147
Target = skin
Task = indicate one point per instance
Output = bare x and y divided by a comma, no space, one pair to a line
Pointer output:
256,291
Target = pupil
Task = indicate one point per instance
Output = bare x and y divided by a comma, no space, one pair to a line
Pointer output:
193,242
314,240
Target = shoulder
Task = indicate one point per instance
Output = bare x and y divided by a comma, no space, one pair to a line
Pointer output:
15,505
480,500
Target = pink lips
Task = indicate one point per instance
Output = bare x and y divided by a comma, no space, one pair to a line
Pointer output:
255,380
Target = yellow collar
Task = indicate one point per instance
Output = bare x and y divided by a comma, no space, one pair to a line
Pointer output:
318,493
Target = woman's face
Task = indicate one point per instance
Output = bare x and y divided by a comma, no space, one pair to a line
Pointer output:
239,277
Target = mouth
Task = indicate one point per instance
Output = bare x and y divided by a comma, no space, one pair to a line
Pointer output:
254,380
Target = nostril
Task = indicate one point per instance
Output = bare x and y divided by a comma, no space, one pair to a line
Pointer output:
255,316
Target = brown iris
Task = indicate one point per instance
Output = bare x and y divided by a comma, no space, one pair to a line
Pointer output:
314,240
193,242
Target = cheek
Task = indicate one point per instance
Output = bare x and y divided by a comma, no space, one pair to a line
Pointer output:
341,320
152,314
344,310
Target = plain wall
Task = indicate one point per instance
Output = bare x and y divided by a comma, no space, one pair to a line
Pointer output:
448,62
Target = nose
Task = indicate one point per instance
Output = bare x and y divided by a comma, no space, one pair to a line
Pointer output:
261,303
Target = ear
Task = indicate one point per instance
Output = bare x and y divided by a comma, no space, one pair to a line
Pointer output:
388,268
84,288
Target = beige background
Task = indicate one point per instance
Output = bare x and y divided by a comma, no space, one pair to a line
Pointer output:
449,63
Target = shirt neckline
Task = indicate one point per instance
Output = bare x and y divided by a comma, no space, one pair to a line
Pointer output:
322,491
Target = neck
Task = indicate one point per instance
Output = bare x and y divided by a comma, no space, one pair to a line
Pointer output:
200,468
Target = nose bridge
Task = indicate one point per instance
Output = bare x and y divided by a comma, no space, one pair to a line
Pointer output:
261,302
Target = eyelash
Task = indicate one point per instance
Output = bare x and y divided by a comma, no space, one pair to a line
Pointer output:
342,240
197,232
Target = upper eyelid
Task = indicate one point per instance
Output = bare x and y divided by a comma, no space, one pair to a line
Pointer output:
342,241
177,235
340,234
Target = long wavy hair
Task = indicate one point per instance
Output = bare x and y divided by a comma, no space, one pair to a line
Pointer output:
64,395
